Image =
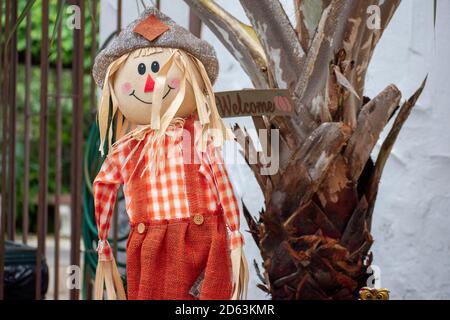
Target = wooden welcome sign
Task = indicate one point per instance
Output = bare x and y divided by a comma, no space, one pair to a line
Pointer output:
254,102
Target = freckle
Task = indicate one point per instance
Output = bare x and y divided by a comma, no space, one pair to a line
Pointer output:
126,87
175,83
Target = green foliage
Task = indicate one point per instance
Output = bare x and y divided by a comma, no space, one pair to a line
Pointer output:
67,33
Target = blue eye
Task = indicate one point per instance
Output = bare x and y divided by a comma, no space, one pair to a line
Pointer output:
142,68
155,66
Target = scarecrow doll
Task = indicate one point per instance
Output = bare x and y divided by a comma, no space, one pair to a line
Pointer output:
162,133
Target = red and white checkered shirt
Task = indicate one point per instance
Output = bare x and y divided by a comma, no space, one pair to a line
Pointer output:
156,191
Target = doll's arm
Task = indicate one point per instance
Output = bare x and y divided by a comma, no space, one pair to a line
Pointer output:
228,201
232,219
105,188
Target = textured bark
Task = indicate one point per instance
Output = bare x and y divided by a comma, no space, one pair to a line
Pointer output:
307,15
383,155
278,38
314,233
237,37
371,121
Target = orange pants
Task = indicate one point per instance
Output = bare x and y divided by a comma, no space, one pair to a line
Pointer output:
164,261
165,258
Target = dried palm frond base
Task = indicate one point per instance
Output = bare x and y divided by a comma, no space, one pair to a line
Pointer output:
319,249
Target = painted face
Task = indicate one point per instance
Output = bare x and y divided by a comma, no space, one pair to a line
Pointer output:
134,85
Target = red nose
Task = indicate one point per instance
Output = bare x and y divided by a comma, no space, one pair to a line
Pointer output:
149,84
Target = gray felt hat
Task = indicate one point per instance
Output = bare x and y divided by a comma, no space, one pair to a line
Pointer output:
154,29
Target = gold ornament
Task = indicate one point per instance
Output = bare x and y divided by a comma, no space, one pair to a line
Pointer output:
367,293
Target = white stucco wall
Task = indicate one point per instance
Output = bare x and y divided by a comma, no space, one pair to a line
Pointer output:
411,220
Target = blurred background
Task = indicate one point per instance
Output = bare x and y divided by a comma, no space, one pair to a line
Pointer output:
411,221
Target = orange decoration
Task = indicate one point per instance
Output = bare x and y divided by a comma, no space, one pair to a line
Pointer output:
151,28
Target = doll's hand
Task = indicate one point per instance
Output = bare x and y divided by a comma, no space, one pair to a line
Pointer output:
240,274
108,276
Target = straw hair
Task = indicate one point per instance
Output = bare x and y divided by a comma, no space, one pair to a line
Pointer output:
113,124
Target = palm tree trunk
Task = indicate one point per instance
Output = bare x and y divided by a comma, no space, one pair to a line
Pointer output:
314,234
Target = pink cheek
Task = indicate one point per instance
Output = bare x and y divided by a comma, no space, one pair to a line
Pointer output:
175,83
126,88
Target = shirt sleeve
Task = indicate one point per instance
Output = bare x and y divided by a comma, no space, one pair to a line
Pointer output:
105,188
227,198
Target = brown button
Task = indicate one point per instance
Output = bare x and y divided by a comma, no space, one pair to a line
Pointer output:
141,228
198,219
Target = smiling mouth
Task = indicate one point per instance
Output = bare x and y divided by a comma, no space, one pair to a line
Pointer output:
146,102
